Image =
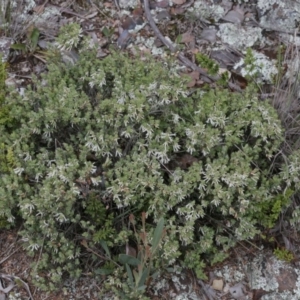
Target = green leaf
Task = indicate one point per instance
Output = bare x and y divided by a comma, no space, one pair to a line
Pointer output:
34,37
103,271
106,32
104,246
178,39
157,233
130,260
18,46
144,277
130,277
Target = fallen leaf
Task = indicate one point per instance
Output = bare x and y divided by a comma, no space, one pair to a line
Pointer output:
288,244
130,250
176,11
225,57
124,39
187,37
218,284
162,4
235,16
39,9
108,4
91,15
178,2
238,290
209,34
185,161
163,14
128,23
137,12
194,77
257,294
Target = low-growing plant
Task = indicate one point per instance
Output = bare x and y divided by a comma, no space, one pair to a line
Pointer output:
205,62
284,254
140,267
271,210
102,139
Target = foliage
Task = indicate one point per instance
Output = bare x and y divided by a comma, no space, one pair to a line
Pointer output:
284,254
5,116
139,269
69,36
256,67
270,210
6,120
102,139
31,42
205,62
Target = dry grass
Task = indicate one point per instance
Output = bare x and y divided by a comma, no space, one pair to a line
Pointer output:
286,99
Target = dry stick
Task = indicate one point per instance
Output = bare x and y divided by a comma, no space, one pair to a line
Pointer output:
13,278
180,55
83,243
205,290
6,258
274,29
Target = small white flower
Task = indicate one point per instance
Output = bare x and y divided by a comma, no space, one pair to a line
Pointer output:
18,171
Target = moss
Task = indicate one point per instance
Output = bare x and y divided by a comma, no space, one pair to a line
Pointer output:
284,254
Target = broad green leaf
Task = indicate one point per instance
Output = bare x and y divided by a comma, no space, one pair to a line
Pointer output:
127,259
103,271
157,233
136,277
144,277
129,274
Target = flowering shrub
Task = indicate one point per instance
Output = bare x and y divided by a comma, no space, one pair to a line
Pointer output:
117,136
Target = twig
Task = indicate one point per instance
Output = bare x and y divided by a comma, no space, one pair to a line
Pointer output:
70,12
7,257
83,243
180,55
274,29
12,279
188,63
205,289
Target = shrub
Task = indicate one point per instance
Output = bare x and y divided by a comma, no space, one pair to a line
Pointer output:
102,139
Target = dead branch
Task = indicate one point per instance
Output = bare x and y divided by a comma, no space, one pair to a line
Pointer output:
180,55
13,280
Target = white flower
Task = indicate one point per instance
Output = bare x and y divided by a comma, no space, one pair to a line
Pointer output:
18,171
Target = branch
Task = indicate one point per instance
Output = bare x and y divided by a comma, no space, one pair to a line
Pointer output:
188,63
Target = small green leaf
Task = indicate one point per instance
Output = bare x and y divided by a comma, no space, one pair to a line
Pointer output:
178,39
34,37
157,233
106,32
103,271
18,46
130,260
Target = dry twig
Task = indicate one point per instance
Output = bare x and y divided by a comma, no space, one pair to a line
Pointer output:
188,63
